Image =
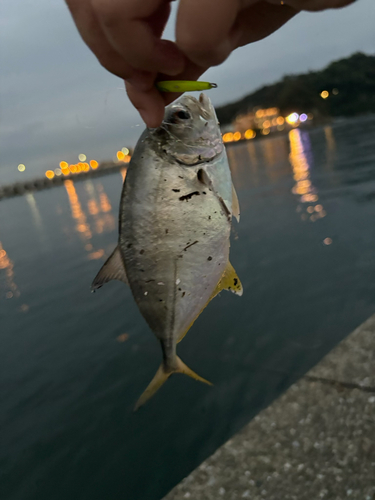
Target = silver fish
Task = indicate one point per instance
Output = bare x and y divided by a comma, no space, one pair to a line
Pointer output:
176,211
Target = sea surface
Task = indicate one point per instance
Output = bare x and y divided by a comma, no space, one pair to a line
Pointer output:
72,363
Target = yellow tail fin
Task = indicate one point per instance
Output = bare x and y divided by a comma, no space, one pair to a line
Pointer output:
161,376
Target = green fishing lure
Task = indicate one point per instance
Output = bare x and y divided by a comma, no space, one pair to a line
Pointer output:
184,86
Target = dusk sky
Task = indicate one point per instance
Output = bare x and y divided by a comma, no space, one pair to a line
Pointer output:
56,101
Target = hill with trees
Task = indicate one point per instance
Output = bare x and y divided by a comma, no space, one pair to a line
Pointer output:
350,83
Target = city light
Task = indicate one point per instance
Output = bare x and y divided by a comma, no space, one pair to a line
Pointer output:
228,137
280,120
237,136
82,157
324,94
50,174
58,171
249,134
335,91
292,118
123,157
125,151
303,117
94,164
21,167
63,164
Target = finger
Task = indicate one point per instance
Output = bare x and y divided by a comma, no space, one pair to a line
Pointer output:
96,40
191,72
203,29
314,5
149,103
131,33
260,20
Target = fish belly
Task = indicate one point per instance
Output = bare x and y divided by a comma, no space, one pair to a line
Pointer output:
174,239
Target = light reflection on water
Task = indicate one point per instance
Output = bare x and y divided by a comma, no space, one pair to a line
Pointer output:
99,207
304,188
10,288
69,385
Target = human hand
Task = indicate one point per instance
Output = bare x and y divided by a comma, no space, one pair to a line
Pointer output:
208,31
125,36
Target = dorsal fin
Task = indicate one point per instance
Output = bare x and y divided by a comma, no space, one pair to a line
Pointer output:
235,205
229,281
113,269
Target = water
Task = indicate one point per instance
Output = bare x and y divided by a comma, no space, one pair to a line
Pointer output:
73,364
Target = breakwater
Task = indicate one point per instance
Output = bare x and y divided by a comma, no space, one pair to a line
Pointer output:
21,188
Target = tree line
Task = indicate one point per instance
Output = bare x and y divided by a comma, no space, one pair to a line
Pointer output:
350,83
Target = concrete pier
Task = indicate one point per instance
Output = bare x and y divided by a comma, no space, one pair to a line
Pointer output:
317,441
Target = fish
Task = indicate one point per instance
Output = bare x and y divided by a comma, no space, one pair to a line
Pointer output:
176,211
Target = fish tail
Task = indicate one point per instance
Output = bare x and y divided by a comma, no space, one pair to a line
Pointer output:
162,375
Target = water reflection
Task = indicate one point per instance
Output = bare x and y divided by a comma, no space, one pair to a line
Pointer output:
331,147
98,207
304,188
253,161
104,221
331,143
37,219
11,289
82,227
231,153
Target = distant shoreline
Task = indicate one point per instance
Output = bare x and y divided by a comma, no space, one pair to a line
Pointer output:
109,167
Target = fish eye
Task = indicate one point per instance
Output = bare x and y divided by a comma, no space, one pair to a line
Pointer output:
182,115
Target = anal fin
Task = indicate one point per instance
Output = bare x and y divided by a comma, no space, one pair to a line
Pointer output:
112,269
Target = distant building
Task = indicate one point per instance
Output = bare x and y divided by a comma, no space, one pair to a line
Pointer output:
263,121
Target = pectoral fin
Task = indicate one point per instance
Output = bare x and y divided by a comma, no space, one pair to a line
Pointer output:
113,269
235,205
234,210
